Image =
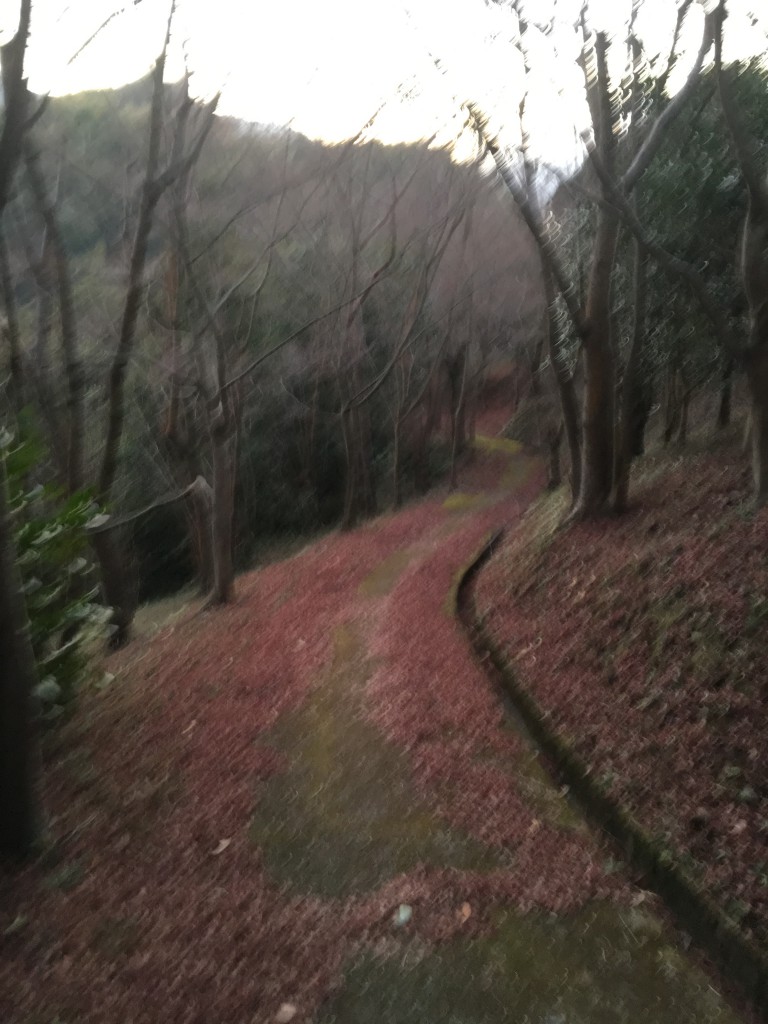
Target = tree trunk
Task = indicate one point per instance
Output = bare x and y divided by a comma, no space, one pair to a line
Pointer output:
631,391
682,430
351,500
19,758
224,454
554,442
118,590
73,368
534,355
458,379
396,483
672,404
223,517
757,379
726,393
198,515
565,385
598,421
754,266
10,332
597,428
365,455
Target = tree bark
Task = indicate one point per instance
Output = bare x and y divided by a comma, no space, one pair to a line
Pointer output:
629,413
554,442
11,333
458,380
118,590
73,367
565,386
223,455
19,756
754,268
726,392
396,482
757,379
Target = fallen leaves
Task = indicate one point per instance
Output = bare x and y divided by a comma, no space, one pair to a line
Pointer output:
651,660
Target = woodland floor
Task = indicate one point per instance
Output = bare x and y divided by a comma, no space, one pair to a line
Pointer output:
645,638
313,806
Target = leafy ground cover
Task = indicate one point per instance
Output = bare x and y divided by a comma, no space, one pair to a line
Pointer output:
644,637
312,806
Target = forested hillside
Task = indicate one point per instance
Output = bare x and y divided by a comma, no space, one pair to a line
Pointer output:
223,342
335,302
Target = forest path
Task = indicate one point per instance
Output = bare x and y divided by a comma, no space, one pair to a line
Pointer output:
312,806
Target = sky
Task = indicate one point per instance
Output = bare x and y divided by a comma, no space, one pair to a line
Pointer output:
325,67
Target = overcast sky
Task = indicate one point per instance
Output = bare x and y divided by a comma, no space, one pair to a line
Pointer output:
325,66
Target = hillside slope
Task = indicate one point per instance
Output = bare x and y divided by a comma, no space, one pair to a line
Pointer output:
313,806
644,640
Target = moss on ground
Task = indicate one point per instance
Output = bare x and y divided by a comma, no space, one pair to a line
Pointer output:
344,816
603,965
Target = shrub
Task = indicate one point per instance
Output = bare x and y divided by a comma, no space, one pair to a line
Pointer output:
57,577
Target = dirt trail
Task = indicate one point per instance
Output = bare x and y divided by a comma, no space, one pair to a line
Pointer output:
313,807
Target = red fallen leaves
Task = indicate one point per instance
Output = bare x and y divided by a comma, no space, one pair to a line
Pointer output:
645,639
165,921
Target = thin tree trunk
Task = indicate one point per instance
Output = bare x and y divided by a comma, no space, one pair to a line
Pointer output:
672,403
534,366
73,367
19,756
628,415
396,482
757,378
199,519
457,418
554,443
365,455
349,513
11,333
222,445
118,590
754,265
565,385
726,393
682,430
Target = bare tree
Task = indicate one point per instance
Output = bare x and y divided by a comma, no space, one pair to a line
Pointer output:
591,318
754,265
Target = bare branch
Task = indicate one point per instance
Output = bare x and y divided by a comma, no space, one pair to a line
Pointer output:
292,337
537,228
103,523
664,121
668,260
744,145
73,367
100,29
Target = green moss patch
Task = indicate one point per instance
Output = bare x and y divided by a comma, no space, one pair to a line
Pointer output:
344,816
604,965
497,444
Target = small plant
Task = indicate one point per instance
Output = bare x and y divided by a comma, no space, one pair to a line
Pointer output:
56,574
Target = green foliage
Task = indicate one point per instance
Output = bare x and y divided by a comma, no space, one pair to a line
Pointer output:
56,574
693,200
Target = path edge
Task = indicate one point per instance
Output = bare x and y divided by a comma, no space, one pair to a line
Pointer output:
741,961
